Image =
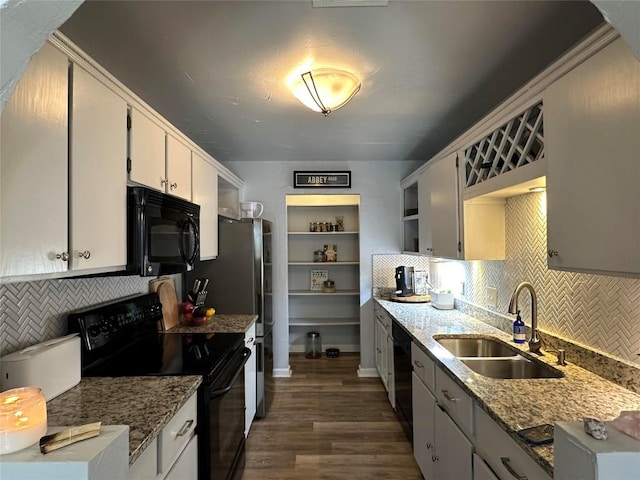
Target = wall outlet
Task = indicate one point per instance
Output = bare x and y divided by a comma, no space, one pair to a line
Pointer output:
492,297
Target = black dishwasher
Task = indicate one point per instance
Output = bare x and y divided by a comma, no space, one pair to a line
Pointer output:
402,376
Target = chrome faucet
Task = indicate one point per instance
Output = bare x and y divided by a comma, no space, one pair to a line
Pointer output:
534,342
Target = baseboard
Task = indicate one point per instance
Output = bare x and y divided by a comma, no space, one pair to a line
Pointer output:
282,372
367,372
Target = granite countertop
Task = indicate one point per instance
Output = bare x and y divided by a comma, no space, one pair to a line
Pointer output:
220,323
146,404
515,403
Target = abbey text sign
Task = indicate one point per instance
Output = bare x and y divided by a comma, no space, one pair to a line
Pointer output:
322,179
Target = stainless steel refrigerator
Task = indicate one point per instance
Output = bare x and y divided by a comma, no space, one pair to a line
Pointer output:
240,282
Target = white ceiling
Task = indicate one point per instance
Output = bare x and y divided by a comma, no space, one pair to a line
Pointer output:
429,69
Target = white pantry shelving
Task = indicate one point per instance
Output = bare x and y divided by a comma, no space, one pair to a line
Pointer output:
335,315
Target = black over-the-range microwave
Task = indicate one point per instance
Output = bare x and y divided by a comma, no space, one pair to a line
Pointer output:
163,233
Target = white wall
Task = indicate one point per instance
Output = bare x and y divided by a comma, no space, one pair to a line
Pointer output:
377,183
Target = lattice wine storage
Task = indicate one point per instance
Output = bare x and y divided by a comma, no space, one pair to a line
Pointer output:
518,142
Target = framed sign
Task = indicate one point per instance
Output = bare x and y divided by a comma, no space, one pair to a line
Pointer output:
321,179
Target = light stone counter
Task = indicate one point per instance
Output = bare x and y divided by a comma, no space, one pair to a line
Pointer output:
220,323
146,404
514,403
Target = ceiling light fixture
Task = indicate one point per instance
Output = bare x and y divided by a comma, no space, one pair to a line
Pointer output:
325,89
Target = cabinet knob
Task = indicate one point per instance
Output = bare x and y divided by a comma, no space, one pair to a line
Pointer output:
434,458
173,185
64,256
429,445
552,253
163,182
86,254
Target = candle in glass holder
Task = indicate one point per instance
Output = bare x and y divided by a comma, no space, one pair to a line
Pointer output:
23,418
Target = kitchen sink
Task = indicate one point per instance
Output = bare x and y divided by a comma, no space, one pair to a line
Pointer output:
514,367
476,347
493,358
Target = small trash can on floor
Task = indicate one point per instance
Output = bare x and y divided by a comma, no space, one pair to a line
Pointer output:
313,346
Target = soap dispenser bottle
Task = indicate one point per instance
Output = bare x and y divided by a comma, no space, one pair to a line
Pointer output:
519,330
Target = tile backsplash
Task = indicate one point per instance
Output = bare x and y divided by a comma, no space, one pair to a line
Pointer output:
601,313
32,312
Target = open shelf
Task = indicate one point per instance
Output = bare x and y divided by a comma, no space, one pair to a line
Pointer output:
320,264
327,322
320,292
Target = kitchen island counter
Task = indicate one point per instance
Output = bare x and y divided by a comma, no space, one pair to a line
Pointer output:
146,404
220,323
514,403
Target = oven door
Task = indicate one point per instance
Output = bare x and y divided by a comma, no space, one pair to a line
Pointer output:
221,423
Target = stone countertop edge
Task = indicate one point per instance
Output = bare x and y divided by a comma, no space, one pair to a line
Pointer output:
220,323
514,403
146,404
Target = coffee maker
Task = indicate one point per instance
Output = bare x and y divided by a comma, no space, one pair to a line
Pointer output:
404,281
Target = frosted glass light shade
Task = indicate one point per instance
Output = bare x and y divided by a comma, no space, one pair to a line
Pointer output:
326,89
23,418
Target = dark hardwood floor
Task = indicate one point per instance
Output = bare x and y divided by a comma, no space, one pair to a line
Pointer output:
326,423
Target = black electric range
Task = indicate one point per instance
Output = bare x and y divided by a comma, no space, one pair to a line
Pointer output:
122,338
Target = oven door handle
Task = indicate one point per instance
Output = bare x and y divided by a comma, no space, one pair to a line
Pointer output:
246,353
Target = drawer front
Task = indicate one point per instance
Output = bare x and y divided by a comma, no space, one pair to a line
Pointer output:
455,401
423,366
146,465
176,434
502,453
383,316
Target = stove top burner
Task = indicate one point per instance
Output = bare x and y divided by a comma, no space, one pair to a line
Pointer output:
122,339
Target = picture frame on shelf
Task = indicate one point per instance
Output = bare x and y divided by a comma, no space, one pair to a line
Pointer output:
318,277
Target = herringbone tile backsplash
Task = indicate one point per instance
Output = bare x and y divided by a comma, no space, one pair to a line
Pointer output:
600,312
33,312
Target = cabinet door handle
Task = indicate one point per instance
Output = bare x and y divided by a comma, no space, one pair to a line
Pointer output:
64,256
506,461
552,253
448,396
173,185
429,445
418,363
163,182
86,254
434,458
185,428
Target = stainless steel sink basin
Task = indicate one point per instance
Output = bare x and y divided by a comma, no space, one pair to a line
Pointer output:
476,347
492,358
514,367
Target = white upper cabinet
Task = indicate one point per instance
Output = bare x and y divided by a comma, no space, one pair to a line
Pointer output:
98,176
438,200
158,159
592,128
178,168
205,194
147,151
33,163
